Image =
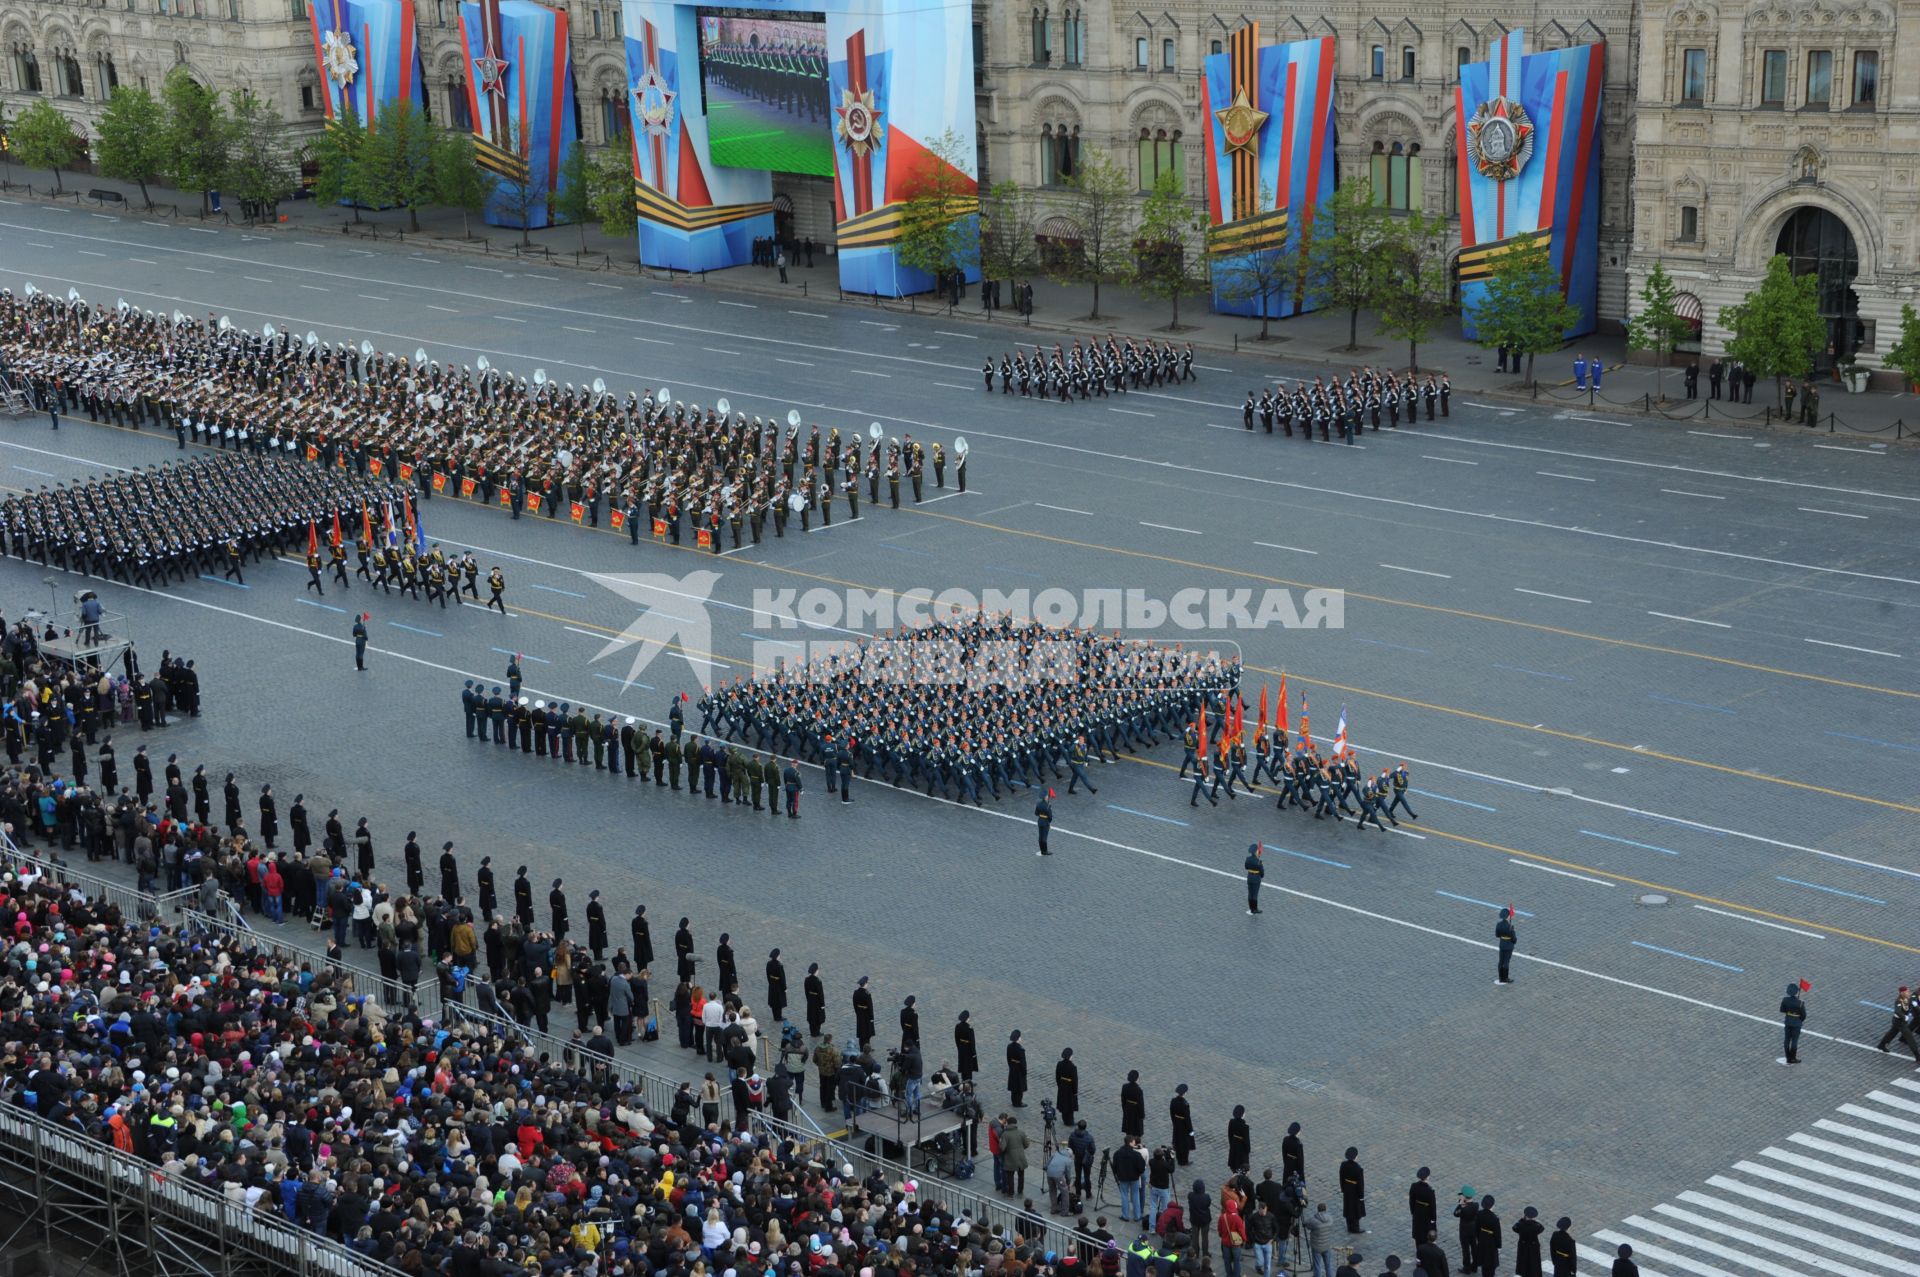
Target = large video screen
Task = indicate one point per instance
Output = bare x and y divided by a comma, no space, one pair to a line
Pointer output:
763,80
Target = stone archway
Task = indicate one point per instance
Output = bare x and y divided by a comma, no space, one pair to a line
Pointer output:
1817,241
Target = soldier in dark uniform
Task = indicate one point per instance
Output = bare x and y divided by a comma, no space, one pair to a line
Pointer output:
1503,931
776,986
1043,819
862,1014
1066,1085
483,877
557,902
1180,1114
966,1048
523,898
1016,1069
596,925
1256,871
814,990
1133,1106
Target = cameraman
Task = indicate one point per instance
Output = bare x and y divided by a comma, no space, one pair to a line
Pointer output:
1160,1172
90,614
1081,1144
1130,1172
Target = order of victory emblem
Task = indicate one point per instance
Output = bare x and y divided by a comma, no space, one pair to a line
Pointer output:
859,123
1500,138
1241,123
336,52
653,102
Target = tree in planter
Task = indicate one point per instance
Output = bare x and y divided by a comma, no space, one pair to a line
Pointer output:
1007,223
1343,255
396,160
458,182
1523,307
1103,207
337,153
1413,294
197,134
1905,354
1659,327
936,234
612,182
573,202
1169,223
42,138
131,141
259,169
1777,329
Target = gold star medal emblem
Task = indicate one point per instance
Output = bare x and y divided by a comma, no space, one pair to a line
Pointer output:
859,123
1241,123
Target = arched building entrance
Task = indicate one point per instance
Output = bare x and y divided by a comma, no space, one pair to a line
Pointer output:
1816,242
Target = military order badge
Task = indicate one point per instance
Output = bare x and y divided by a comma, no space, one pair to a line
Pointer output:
859,124
1241,123
653,102
1500,138
337,54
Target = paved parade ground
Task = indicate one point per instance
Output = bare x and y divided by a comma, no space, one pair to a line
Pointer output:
1656,686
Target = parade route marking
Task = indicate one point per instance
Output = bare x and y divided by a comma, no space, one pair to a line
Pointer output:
1301,855
369,297
609,287
1760,922
44,474
1487,903
1063,509
963,336
1167,528
143,261
1169,820
1398,647
1542,594
201,270
653,341
804,363
554,589
445,310
315,288
88,252
509,319
1669,700
715,350
256,279
1838,514
806,314
416,629
742,305
1417,571
1554,474
1521,669
1452,461
218,580
868,372
1714,434
1832,891
1704,496
311,603
1598,882
1428,793
522,655
1690,620
573,328
1295,548
1834,447
1869,740
1647,846
1675,953
623,682
1131,412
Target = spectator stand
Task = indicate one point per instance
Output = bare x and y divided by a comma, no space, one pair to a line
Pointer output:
168,908
422,999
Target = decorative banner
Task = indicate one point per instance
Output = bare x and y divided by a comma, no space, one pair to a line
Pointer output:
696,215
406,472
617,519
467,485
1269,161
439,481
659,529
506,496
520,96
368,55
704,539
373,467
576,511
313,453
1528,151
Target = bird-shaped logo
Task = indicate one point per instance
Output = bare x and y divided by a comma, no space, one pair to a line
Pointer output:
673,617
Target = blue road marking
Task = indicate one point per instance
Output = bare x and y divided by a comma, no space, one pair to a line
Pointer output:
522,655
330,607
1878,1006
623,682
1669,700
1484,903
1149,815
762,638
1398,647
416,629
220,580
554,589
1428,793
1646,846
1868,740
1521,669
1675,953
1832,891
667,616
1318,860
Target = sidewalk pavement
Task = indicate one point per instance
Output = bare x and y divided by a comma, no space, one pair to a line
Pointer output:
1301,345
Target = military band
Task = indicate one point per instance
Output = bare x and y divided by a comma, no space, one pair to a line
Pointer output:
1096,369
1348,407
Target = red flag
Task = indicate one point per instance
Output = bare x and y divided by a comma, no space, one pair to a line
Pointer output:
1806,986
366,524
1280,706
313,538
1261,730
336,529
1306,724
1201,753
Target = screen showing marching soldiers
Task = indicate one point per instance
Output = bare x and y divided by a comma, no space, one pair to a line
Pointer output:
764,78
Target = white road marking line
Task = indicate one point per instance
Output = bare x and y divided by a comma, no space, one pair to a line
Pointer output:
1691,620
369,297
200,230
491,270
1714,434
1211,368
947,385
609,287
1760,922
678,297
866,372
1064,509
715,350
1775,1222
1452,461
1834,447
361,252
509,319
1553,474
806,314
1770,1245
88,252
874,323
1131,412
1295,548
1169,528
948,496
446,309
1474,403
1417,571
199,270
1838,514
1870,651
1528,864
315,288
143,261
741,305
802,362
1600,421
653,341
1680,492
963,336
1564,598
1746,1262
256,279
573,329
109,217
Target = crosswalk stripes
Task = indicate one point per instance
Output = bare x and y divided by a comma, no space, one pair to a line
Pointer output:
1841,1199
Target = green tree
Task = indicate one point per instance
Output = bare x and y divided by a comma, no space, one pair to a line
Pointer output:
197,135
1259,274
1007,222
336,155
1523,307
525,195
131,140
1343,253
612,189
1659,327
573,201
936,234
1905,354
1413,294
458,182
260,167
1169,224
1778,327
396,160
42,138
1102,204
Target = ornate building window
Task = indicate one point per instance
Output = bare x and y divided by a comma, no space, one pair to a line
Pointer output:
1160,153
1461,57
1377,62
1773,77
1395,174
105,74
1866,78
67,74
26,70
1819,79
297,10
1140,51
1167,59
1693,77
1409,63
1042,47
1689,223
614,119
1059,154
458,116
1073,32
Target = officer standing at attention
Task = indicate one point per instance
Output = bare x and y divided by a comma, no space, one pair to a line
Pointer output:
360,641
467,704
1793,1014
1255,872
1503,932
1043,817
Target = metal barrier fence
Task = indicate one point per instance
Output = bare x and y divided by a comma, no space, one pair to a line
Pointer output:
985,1209
655,1090
91,1195
130,901
424,997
